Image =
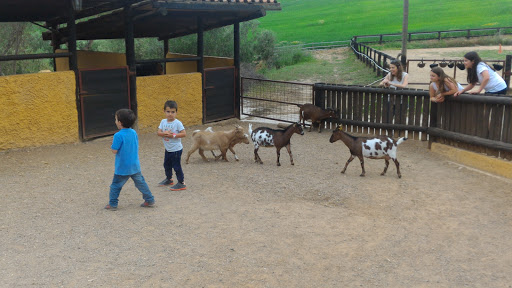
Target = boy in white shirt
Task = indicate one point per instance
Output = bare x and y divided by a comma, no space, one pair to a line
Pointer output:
172,130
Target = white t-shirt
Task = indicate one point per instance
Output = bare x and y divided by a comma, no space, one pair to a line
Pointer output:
395,80
172,144
495,84
446,88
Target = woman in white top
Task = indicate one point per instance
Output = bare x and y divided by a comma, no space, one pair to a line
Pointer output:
480,72
442,85
396,77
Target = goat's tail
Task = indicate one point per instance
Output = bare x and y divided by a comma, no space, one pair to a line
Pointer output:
400,141
195,132
250,129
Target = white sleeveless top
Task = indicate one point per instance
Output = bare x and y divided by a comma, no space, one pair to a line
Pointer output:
395,80
446,88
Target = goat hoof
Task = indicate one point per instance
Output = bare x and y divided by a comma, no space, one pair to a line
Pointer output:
399,176
278,164
382,174
362,175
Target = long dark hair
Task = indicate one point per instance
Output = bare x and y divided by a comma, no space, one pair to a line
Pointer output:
472,74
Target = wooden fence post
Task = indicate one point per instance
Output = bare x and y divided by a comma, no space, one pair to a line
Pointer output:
433,122
508,66
379,61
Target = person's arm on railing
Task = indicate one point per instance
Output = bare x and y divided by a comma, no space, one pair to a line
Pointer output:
467,88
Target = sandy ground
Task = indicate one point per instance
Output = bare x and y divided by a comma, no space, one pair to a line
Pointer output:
242,224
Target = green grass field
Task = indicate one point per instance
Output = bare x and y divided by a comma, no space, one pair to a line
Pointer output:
310,21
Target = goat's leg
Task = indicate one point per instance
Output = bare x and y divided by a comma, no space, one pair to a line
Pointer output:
217,157
397,168
385,168
192,150
320,127
348,162
201,152
257,158
361,159
278,151
233,151
224,151
289,148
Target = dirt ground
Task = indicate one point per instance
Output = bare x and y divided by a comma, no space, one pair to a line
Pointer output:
242,224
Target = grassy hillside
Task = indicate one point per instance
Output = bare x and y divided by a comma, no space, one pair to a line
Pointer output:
331,20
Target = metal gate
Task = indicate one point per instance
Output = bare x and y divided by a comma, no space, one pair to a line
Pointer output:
219,95
102,93
275,100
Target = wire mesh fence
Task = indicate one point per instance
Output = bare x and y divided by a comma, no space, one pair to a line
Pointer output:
274,100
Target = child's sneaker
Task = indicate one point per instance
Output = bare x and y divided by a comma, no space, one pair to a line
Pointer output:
179,186
111,208
166,182
147,204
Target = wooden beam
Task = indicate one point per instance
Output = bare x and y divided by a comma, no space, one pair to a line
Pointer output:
130,55
236,56
200,63
474,140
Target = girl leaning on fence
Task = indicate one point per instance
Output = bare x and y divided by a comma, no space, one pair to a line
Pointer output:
480,72
396,77
442,85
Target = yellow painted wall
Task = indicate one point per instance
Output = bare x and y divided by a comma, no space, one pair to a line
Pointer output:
153,91
191,66
482,162
92,59
38,109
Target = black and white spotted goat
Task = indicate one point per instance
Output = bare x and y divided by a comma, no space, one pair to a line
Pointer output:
370,147
279,138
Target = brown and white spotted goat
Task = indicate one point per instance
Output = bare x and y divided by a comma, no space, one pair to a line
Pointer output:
268,137
370,147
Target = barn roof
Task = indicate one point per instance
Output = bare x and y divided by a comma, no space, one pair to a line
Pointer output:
101,19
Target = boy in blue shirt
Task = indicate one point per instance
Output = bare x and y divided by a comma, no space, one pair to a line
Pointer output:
126,147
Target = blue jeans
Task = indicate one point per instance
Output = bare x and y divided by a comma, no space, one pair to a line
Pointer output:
172,161
501,92
118,183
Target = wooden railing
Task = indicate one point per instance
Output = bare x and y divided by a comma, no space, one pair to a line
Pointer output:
435,35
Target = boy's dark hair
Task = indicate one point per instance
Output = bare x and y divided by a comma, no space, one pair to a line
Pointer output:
126,117
171,104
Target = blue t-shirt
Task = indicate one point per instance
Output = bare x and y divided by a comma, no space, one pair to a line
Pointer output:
126,143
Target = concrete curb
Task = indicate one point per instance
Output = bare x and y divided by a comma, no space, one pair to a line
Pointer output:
479,161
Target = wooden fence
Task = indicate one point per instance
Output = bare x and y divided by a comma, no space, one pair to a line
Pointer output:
435,35
480,123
